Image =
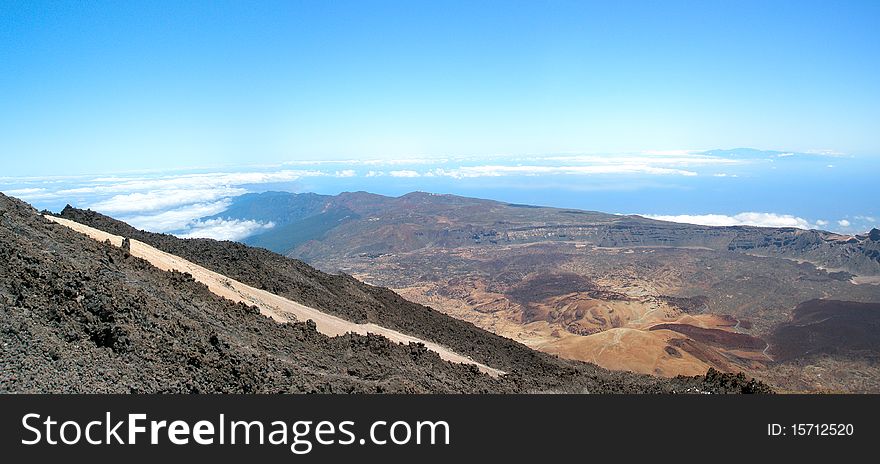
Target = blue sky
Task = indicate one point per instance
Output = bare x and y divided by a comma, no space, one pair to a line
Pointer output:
89,87
161,112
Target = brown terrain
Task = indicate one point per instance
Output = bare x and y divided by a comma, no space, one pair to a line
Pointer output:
624,292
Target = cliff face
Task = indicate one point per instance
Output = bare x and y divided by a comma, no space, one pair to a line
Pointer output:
859,254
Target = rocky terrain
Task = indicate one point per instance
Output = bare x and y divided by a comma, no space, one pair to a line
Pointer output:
78,315
625,292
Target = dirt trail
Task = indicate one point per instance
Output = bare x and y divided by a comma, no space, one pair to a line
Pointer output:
270,304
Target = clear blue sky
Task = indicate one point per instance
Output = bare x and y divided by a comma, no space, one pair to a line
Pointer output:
94,86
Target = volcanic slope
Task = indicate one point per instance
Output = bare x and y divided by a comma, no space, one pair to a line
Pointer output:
80,315
278,308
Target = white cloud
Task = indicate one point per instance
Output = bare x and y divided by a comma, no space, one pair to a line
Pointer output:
23,191
843,223
655,159
125,185
178,218
93,191
501,170
224,229
821,223
826,152
784,155
30,194
346,173
867,218
404,174
156,201
163,199
375,173
404,161
670,152
172,202
378,161
741,219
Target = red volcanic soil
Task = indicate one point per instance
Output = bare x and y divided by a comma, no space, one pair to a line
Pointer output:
702,352
715,337
828,327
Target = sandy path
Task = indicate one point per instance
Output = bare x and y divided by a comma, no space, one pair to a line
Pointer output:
271,305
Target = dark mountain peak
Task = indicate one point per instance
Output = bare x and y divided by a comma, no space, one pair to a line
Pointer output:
874,235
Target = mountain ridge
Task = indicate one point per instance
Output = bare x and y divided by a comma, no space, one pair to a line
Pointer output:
857,254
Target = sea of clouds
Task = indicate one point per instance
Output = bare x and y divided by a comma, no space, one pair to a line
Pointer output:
179,202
